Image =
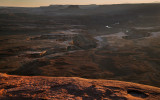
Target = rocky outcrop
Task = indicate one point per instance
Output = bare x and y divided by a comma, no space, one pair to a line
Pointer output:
84,42
72,88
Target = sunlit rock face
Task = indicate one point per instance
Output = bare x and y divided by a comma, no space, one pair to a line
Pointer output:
64,88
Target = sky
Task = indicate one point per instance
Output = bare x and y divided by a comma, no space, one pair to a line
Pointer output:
37,3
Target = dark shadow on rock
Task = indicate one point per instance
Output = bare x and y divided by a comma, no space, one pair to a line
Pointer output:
31,68
137,93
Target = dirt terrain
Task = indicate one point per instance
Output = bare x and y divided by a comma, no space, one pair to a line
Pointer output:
72,88
113,42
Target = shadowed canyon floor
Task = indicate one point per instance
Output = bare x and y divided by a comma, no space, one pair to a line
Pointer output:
72,88
112,42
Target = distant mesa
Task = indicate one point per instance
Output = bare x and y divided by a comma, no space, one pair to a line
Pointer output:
73,7
57,6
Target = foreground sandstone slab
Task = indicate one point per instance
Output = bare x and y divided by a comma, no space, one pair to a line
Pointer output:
72,88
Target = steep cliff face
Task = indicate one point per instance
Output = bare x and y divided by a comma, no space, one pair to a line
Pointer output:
72,88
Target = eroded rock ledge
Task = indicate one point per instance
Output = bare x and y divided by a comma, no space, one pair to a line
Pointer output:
72,88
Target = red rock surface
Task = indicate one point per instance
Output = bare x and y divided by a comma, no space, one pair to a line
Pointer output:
72,88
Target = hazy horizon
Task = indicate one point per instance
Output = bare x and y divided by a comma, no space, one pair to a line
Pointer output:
37,3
